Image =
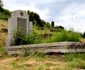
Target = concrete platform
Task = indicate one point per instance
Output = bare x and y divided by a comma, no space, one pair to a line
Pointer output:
63,47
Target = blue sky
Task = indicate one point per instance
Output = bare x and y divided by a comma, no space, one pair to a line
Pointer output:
68,13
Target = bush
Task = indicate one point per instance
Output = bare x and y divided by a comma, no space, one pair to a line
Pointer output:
59,28
73,36
20,39
34,38
84,35
18,36
4,16
29,39
64,36
59,36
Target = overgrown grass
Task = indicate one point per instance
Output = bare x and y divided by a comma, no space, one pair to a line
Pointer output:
35,38
4,16
77,64
64,36
3,53
75,61
72,56
2,49
40,61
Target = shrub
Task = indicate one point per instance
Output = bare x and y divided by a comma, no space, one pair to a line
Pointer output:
34,38
4,16
28,39
73,36
84,35
64,36
59,28
21,39
60,36
18,36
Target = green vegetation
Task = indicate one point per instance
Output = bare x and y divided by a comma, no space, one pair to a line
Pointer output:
1,3
35,18
42,32
73,56
20,39
33,38
18,36
64,36
59,28
4,13
84,35
76,60
1,49
3,53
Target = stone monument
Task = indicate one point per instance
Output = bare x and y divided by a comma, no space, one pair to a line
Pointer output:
18,17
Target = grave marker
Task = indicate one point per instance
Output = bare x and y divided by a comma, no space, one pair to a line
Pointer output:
18,18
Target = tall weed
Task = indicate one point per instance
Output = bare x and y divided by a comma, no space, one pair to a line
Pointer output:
64,36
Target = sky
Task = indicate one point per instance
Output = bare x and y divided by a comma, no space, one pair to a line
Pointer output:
68,13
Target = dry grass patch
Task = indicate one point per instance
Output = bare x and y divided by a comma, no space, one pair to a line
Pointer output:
3,24
3,35
41,63
82,39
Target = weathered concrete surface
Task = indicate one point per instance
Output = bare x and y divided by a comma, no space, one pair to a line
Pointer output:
19,19
62,47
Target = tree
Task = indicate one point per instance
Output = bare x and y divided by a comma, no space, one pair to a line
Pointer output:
1,6
47,24
1,3
35,18
52,24
84,35
59,27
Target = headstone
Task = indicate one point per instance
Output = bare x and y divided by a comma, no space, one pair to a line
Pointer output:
18,18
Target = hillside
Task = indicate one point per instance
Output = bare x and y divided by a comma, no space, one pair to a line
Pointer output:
41,31
37,61
3,33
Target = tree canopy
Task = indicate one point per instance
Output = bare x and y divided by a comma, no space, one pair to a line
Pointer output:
1,3
35,18
4,13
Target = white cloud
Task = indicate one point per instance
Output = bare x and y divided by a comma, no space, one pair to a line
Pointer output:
73,16
14,5
43,1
